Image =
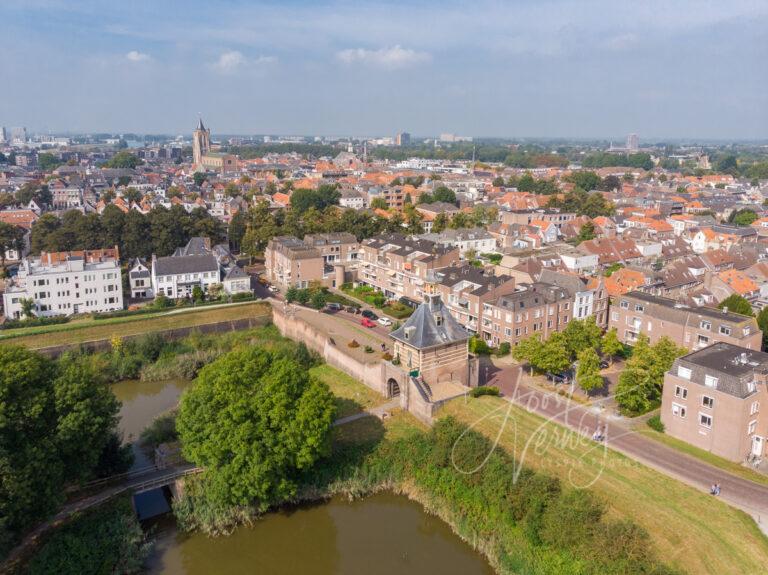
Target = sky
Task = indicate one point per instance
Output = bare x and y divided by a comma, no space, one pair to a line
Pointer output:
520,68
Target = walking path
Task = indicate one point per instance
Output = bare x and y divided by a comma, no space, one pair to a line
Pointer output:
377,411
746,495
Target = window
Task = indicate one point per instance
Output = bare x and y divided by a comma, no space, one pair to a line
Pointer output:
751,427
639,308
703,340
624,305
725,330
681,392
754,408
710,381
678,410
683,372
614,316
705,420
708,402
705,325
751,387
747,331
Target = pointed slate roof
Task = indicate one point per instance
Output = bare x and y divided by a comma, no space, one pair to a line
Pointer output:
200,124
430,325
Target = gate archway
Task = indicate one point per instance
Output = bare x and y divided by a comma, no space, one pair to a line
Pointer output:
393,388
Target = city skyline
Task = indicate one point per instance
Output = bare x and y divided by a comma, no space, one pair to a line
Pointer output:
529,70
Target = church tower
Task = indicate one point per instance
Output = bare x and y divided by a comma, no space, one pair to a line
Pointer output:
201,143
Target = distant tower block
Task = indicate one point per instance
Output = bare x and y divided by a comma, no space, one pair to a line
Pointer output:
633,143
201,143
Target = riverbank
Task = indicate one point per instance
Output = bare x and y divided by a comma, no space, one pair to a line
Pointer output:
520,523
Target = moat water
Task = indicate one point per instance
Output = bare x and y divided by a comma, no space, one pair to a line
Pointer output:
383,534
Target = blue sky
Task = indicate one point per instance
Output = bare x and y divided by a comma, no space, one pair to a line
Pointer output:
571,68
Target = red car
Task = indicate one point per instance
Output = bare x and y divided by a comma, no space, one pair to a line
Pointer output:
365,322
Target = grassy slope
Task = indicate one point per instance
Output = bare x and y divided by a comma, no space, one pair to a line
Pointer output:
93,330
689,529
351,395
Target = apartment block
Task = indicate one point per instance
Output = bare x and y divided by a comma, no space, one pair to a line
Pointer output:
712,399
691,327
66,283
320,258
527,217
465,290
535,308
400,266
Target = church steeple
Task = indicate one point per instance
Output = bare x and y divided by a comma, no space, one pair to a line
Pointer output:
200,123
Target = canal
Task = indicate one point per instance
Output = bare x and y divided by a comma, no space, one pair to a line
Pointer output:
382,534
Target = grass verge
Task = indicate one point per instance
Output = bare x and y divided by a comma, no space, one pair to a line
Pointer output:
94,330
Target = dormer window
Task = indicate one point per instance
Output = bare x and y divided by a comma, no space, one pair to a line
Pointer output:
438,319
706,325
710,381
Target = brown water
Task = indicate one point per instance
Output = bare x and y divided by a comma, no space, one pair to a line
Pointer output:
142,402
384,534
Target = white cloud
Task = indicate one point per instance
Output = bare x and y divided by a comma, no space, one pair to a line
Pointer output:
233,60
394,57
136,56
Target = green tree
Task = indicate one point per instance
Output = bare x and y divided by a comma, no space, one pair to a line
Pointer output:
742,217
292,294
197,294
47,162
585,180
555,355
325,195
318,299
255,422
28,307
588,373
581,334
459,221
11,238
610,344
498,182
236,230
727,165
586,233
737,304
529,350
87,413
199,178
440,223
123,159
303,296
379,203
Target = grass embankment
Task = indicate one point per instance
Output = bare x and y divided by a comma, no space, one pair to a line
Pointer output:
350,395
86,330
690,530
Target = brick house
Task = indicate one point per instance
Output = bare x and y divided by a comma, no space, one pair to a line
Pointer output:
691,327
712,399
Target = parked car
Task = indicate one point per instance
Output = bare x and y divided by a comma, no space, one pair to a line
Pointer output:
385,321
333,306
370,315
273,289
604,364
365,322
352,309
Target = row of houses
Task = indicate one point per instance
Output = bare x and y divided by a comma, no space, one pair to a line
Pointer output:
91,281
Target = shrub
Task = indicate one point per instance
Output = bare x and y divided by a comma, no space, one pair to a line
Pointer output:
504,349
656,424
353,343
478,346
484,390
244,296
386,356
368,349
33,322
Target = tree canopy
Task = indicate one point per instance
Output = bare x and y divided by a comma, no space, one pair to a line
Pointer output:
324,196
123,159
255,422
737,304
56,421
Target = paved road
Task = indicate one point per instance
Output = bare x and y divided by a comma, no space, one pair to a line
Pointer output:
742,493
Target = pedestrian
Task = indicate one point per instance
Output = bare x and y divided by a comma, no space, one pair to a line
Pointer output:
717,489
713,489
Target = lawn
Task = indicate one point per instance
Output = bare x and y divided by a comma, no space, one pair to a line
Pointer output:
95,330
689,529
351,396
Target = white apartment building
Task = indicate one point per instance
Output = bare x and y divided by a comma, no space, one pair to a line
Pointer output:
176,276
66,283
